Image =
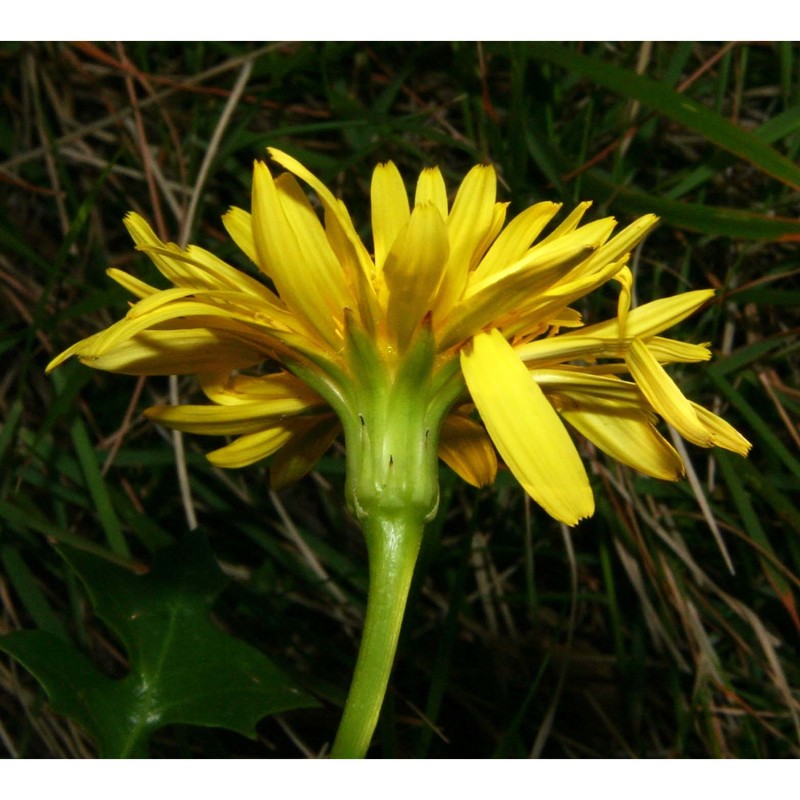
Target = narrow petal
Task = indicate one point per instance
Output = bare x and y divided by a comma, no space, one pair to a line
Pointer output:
176,352
390,212
330,202
431,189
625,279
488,300
467,450
278,387
654,317
512,244
359,278
239,224
133,285
570,223
253,447
573,346
468,223
665,396
200,269
590,389
214,420
311,438
174,313
526,429
413,269
310,288
622,243
722,433
313,244
630,438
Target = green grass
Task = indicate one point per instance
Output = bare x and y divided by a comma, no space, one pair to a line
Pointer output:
628,637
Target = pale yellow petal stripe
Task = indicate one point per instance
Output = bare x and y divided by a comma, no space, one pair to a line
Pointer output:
390,212
467,450
630,438
526,429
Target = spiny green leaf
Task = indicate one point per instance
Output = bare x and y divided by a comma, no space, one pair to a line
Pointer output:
183,669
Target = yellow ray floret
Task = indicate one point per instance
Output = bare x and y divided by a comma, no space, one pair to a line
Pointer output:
455,337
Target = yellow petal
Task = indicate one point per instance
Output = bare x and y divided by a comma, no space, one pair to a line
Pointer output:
170,314
630,438
216,420
390,212
570,223
512,244
487,300
468,223
197,269
498,220
431,189
313,244
625,278
526,429
176,352
590,389
230,390
309,287
253,447
310,440
144,237
665,396
722,433
622,243
239,225
573,346
330,202
413,269
467,450
133,285
652,318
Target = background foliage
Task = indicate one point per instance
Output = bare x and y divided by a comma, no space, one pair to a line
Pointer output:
665,626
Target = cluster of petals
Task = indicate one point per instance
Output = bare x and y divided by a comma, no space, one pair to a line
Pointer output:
498,299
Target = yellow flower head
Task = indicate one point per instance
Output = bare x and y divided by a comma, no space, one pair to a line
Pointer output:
453,309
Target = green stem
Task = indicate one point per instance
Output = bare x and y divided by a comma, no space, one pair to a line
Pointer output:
393,544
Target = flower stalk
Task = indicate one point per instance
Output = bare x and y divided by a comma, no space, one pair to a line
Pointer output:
393,543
